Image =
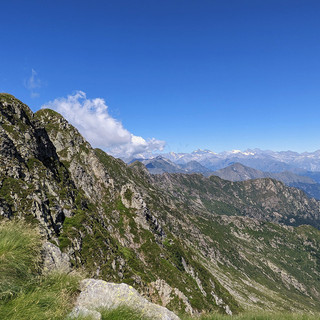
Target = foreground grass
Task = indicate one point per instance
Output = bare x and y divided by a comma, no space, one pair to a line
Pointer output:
24,292
127,314
19,257
122,313
257,316
51,298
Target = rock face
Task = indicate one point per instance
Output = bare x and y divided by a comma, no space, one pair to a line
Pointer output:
187,242
98,294
33,180
54,259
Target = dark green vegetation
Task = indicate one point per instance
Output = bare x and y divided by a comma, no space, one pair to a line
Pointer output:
190,243
25,293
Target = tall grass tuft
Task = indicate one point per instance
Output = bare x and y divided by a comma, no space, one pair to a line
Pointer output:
25,293
20,246
122,313
51,298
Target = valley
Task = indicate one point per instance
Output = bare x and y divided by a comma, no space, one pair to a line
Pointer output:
187,241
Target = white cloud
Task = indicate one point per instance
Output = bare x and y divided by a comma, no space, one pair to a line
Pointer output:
32,83
91,118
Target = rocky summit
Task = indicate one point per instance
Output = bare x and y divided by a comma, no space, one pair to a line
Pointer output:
183,241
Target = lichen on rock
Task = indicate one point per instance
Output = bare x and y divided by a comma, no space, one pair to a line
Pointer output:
97,294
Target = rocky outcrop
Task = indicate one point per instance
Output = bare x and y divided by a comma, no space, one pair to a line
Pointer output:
54,259
33,180
85,168
97,294
167,293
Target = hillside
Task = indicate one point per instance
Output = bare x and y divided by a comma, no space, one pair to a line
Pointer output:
160,165
185,241
240,172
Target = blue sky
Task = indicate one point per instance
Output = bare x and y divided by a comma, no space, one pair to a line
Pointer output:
219,75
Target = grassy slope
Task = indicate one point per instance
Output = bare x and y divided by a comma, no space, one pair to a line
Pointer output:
25,294
260,257
258,316
262,264
146,255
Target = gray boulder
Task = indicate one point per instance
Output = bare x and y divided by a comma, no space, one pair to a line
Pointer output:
54,259
83,312
98,294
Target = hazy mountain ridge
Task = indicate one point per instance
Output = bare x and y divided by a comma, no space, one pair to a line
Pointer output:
160,165
236,172
264,160
188,242
239,172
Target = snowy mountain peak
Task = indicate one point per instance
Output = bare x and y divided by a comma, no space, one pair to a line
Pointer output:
245,153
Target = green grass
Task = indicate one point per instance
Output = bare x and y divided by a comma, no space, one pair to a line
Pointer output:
256,316
122,313
51,298
27,295
24,292
19,257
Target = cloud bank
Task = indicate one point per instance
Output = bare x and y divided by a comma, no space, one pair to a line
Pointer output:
91,118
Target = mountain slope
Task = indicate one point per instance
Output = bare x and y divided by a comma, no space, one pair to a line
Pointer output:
240,172
103,214
195,167
160,165
264,199
185,241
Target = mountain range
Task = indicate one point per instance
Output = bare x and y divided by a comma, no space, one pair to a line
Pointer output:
265,160
186,241
302,179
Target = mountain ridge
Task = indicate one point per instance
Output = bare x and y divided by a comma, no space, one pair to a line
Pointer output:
240,172
234,172
264,160
188,242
